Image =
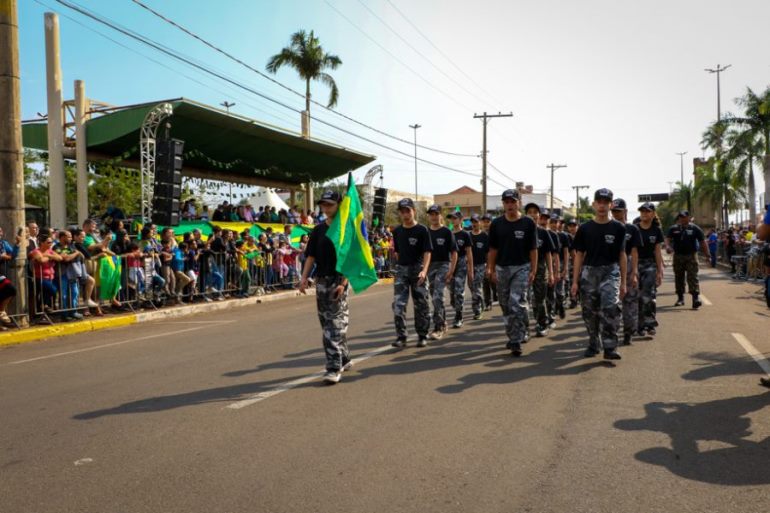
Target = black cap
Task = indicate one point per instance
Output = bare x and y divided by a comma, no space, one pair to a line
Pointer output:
455,215
603,194
434,209
683,213
571,222
555,217
530,205
329,197
475,217
511,194
486,217
647,206
406,203
545,213
619,204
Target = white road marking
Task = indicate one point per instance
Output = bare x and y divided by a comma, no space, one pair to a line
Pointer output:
283,387
753,352
111,344
706,301
83,461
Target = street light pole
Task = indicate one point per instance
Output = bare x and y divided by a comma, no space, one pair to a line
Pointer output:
415,127
227,105
553,168
681,164
719,69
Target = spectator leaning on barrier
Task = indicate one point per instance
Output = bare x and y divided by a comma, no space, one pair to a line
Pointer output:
78,237
7,254
44,270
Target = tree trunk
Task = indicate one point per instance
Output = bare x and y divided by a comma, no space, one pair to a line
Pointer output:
307,96
766,176
752,193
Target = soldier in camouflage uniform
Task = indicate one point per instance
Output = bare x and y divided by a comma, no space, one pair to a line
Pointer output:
543,273
463,270
442,264
331,291
490,291
650,268
511,267
412,246
684,239
630,303
480,249
600,274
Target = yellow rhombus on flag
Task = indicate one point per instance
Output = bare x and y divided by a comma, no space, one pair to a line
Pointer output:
348,234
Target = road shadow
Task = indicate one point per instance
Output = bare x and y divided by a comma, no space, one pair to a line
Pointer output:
690,426
714,365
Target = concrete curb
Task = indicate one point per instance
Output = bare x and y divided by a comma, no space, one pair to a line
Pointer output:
14,337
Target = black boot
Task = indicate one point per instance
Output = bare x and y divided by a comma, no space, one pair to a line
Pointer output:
679,300
696,303
626,339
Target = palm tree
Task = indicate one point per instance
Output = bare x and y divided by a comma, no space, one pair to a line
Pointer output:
309,59
744,150
681,197
720,185
714,136
756,118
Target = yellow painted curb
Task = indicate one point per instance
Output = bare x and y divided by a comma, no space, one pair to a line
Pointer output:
59,330
387,281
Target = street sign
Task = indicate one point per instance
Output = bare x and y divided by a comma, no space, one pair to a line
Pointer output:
653,197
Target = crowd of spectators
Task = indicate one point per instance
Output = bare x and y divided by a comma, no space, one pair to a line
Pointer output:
739,247
228,212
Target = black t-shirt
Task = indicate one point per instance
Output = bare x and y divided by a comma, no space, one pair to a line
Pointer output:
411,244
513,240
480,248
601,243
565,240
463,240
766,254
320,247
443,242
555,242
544,243
633,238
685,239
650,237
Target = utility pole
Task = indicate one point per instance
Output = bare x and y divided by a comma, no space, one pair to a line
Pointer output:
719,69
227,105
553,167
485,119
577,197
681,165
11,151
415,127
56,188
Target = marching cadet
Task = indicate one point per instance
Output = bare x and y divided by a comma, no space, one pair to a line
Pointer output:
686,239
480,249
331,291
543,272
511,266
633,243
411,246
572,227
442,265
490,291
650,267
550,296
600,276
463,270
564,258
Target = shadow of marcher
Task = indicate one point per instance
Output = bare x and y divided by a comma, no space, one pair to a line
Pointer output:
721,364
725,421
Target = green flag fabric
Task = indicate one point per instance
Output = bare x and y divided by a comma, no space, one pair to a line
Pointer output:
109,277
348,233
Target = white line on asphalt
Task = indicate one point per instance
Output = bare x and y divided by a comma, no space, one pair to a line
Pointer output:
147,337
753,352
706,301
283,387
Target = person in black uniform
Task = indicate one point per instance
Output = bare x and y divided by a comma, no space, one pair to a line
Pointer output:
412,248
442,266
480,243
331,291
650,268
566,248
543,272
572,228
490,291
550,297
600,275
463,270
630,303
684,239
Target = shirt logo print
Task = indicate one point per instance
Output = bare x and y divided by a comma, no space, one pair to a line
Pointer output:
440,241
412,241
519,234
609,239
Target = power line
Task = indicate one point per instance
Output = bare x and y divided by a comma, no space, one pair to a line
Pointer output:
445,56
283,86
174,55
501,173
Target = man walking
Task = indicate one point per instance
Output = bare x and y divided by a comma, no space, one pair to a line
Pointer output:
543,272
684,239
442,265
600,276
464,268
511,265
480,242
633,242
490,291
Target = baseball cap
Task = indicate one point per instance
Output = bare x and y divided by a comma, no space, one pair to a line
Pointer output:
486,217
530,205
619,204
434,209
455,215
406,203
683,213
475,217
329,197
647,206
603,194
511,194
555,217
571,222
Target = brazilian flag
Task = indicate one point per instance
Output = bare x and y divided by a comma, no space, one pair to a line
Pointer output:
348,233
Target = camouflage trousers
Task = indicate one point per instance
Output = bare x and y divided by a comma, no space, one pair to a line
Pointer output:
561,295
457,291
476,293
686,265
630,304
490,292
334,317
436,283
404,282
600,302
648,290
539,294
550,303
512,285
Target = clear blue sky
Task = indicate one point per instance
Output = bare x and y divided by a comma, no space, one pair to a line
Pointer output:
611,88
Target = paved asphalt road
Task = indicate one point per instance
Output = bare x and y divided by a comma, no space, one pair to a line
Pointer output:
138,419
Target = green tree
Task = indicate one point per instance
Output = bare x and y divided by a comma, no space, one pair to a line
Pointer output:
745,150
309,59
720,185
681,198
